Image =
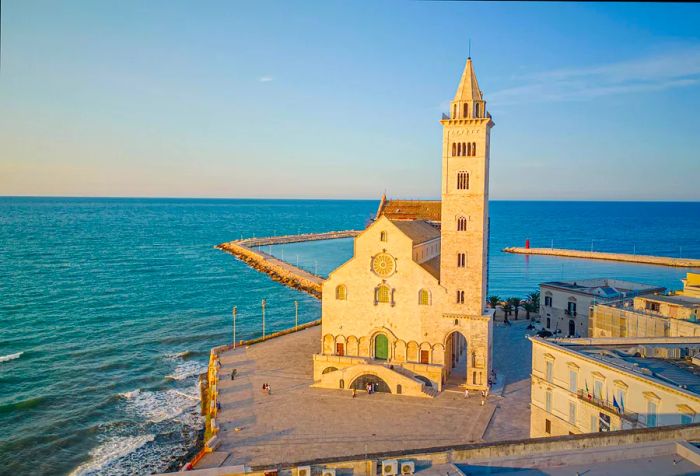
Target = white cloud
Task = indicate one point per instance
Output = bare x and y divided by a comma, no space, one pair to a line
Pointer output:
265,79
655,73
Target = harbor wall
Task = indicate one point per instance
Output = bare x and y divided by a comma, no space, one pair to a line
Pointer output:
642,259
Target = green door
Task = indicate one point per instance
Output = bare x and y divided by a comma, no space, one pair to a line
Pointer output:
381,347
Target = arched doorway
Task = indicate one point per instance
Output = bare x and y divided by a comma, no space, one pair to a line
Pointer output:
379,385
381,347
572,327
456,359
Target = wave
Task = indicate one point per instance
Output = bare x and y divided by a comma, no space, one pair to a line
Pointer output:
23,405
186,370
111,450
132,394
159,406
8,357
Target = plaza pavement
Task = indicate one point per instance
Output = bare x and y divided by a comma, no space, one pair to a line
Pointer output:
297,422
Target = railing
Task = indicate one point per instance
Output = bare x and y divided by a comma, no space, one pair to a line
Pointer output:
607,405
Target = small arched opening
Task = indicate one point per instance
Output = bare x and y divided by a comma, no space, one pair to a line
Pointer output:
329,369
378,385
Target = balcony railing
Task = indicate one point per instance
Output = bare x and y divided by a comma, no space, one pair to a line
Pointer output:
607,406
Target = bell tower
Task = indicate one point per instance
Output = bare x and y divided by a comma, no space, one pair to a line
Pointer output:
465,192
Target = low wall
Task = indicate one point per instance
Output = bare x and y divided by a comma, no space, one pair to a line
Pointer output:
643,259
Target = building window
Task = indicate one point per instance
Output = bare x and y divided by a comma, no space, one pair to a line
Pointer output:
620,398
339,349
686,419
469,149
473,149
573,381
476,109
653,306
461,260
424,297
548,301
382,236
549,371
571,307
341,292
382,293
548,401
462,180
461,224
460,296
572,413
454,111
466,110
598,389
548,427
651,414
454,149
459,148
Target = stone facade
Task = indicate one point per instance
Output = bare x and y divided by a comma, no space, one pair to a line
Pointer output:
599,385
407,311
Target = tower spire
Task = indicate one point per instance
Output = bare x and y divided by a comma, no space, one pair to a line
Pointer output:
468,89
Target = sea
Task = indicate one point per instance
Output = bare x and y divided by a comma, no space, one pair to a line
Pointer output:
108,307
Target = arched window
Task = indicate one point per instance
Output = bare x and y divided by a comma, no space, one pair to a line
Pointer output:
454,112
454,149
476,110
382,294
466,110
382,236
469,149
464,148
459,148
460,296
473,148
462,180
461,224
341,292
424,297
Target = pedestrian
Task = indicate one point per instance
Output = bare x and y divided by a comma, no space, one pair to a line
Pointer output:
466,393
264,388
218,405
269,389
233,374
354,393
482,401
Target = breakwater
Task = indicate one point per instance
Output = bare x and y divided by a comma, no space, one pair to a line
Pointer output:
599,255
281,271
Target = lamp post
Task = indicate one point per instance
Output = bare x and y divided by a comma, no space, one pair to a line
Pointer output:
296,315
263,317
235,312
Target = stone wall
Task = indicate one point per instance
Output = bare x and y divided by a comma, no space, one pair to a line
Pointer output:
659,260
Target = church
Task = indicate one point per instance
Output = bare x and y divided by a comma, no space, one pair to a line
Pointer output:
407,313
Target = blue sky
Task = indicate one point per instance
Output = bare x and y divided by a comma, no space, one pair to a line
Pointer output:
343,99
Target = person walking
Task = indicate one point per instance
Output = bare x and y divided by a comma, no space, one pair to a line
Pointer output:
233,374
466,393
354,393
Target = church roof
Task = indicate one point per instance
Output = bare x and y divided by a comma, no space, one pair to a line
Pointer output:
418,231
394,210
468,89
432,266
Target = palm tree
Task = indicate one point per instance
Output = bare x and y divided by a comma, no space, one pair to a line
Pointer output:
515,303
529,307
507,308
494,301
534,298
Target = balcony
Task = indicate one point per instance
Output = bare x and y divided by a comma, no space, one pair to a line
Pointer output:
607,406
569,312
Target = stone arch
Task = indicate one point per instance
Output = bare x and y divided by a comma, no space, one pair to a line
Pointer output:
328,344
353,346
380,346
438,354
340,345
360,383
329,369
400,351
412,351
456,353
364,347
341,292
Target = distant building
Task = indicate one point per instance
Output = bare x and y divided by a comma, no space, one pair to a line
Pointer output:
647,316
599,385
691,285
407,312
564,305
